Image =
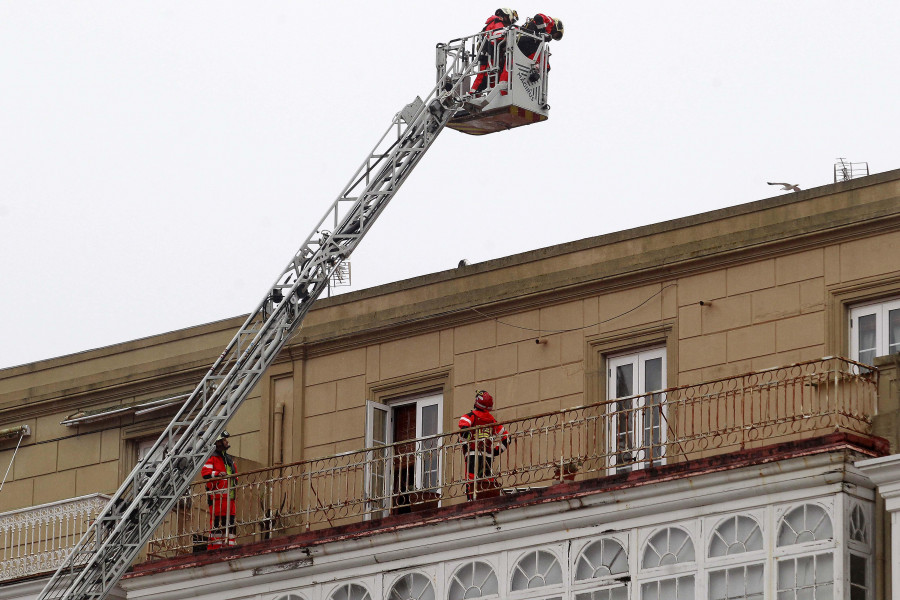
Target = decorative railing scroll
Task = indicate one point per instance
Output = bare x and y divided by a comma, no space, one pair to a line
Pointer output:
679,424
38,539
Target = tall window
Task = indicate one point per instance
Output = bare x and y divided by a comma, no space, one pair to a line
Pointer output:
602,563
874,330
404,467
737,560
637,416
803,573
859,542
671,547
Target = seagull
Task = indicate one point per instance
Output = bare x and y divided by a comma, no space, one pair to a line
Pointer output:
787,187
462,263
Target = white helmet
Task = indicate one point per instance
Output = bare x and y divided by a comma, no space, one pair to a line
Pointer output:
507,14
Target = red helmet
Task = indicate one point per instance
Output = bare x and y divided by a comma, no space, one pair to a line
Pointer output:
483,400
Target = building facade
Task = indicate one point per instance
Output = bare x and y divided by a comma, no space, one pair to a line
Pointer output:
691,405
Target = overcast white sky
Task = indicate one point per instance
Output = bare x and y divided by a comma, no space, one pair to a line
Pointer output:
160,162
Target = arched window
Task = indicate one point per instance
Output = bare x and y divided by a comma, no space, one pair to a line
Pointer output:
412,586
805,575
735,535
536,569
669,546
599,559
290,597
806,523
473,580
859,527
350,591
732,536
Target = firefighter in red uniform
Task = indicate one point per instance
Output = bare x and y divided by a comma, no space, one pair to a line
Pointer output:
493,48
482,444
545,28
220,494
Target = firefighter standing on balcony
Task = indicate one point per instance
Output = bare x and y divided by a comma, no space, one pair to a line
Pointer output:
493,48
482,442
220,494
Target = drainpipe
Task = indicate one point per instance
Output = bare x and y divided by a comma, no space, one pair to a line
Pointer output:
277,442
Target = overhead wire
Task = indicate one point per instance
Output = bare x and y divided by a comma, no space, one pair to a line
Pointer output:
630,310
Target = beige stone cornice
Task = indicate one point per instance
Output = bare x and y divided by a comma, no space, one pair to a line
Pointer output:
587,280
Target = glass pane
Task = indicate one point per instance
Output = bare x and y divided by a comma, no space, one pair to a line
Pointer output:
473,580
718,585
624,381
668,547
379,427
600,559
894,331
859,530
430,455
805,523
616,593
686,588
735,535
650,591
824,568
825,592
652,375
430,419
866,337
536,569
414,586
857,570
810,577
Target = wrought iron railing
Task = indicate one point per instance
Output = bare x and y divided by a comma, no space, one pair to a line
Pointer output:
38,539
678,424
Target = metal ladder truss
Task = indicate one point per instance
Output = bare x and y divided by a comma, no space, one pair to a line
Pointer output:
149,493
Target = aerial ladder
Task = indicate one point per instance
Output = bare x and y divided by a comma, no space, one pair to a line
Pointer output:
149,493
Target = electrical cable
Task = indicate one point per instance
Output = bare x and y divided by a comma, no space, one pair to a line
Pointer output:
630,310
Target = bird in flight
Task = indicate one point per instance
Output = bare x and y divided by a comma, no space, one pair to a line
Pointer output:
787,187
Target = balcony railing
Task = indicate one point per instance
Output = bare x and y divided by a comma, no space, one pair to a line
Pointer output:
38,539
669,426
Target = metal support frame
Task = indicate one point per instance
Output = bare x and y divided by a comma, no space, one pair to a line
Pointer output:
152,489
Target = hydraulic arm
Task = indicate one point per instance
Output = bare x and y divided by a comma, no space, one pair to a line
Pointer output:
150,492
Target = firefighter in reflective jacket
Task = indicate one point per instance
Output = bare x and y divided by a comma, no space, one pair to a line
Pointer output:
493,48
481,444
544,28
220,494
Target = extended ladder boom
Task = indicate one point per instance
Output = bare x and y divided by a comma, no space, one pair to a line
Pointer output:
150,492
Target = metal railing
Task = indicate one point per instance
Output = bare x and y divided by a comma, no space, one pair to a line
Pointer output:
39,538
678,424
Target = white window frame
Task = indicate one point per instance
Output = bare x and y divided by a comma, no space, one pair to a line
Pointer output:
687,568
638,359
861,549
880,310
451,568
812,549
373,441
749,558
606,582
